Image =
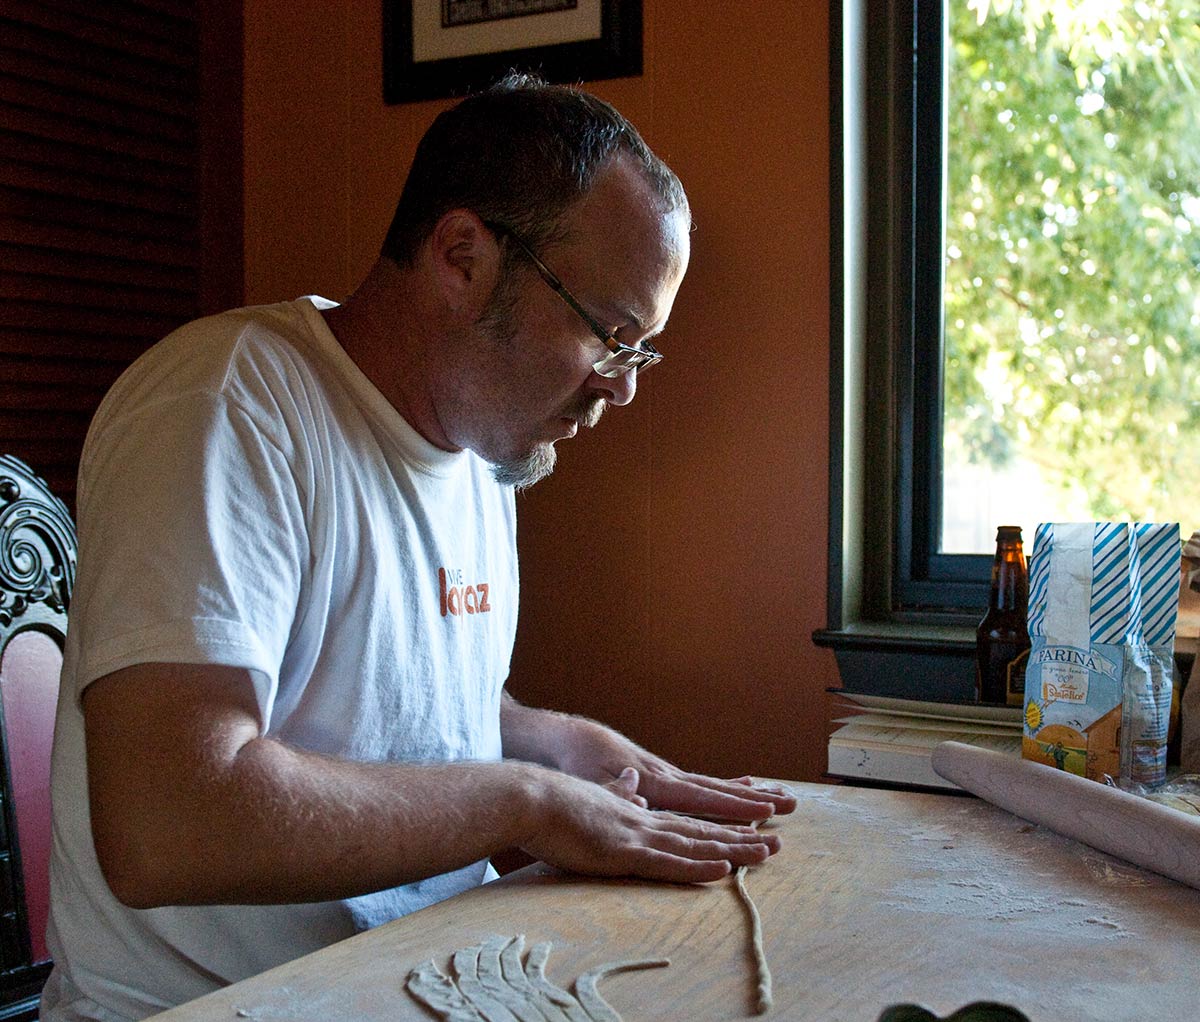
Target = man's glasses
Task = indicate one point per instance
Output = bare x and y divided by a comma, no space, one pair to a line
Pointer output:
620,358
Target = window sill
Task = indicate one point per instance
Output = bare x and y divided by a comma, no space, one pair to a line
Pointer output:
902,660
930,662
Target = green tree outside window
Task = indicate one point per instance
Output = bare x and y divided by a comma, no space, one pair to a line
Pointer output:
1072,249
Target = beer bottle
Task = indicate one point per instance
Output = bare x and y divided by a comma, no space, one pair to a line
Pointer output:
1002,639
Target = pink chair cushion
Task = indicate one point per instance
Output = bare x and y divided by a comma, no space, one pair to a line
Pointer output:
29,674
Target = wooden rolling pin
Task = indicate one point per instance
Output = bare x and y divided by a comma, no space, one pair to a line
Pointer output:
1127,826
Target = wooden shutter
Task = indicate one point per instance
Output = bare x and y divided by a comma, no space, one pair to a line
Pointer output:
101,182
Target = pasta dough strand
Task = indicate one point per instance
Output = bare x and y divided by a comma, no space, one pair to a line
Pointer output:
522,982
490,985
515,996
766,997
466,969
535,969
433,988
595,1005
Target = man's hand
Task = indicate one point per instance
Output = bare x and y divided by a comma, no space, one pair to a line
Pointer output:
600,754
597,753
603,831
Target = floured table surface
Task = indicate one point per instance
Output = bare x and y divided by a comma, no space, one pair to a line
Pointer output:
878,897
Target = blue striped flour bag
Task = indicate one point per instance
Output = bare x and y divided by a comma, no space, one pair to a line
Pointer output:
1103,599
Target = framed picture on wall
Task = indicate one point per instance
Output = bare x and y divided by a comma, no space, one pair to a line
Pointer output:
438,48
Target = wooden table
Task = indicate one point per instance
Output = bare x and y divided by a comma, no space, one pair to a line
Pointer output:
878,897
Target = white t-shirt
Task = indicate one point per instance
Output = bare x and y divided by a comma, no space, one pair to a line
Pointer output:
247,497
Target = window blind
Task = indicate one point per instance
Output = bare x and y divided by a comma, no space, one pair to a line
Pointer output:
100,188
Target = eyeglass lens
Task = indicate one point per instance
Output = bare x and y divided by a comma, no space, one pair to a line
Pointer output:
616,363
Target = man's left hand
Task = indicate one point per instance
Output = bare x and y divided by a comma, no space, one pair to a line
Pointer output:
600,754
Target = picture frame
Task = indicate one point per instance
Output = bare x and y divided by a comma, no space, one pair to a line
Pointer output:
435,49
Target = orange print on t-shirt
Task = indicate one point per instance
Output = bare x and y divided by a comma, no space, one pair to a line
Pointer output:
459,599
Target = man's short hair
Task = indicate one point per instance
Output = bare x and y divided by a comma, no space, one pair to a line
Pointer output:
520,153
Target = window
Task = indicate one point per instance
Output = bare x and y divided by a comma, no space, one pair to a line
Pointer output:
1070,244
1019,186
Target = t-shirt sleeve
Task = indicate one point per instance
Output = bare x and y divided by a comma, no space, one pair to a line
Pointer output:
192,543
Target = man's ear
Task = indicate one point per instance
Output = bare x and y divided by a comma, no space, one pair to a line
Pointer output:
465,260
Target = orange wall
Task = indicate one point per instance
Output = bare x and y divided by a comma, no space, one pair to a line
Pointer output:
673,568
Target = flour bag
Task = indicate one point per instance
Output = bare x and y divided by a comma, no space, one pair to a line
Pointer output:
1103,599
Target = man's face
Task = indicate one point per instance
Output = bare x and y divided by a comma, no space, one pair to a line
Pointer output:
535,384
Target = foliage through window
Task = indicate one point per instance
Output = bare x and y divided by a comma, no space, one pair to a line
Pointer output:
1070,297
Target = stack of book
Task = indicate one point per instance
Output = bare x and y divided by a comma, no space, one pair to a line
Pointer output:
890,740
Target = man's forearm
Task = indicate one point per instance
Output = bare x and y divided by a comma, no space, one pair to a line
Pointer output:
536,735
191,805
282,825
313,829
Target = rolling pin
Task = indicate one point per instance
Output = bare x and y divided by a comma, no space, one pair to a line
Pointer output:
1130,827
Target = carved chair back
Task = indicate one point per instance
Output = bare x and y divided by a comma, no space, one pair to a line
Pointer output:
37,572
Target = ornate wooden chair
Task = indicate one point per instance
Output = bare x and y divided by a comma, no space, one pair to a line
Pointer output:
37,571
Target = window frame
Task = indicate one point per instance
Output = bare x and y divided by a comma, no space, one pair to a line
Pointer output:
925,576
901,178
901,615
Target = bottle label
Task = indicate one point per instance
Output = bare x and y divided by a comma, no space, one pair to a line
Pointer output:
1015,678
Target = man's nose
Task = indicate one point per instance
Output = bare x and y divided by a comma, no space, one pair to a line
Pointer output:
616,390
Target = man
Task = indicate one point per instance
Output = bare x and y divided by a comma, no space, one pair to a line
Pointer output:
283,717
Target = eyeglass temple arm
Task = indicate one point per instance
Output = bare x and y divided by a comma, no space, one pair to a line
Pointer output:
558,286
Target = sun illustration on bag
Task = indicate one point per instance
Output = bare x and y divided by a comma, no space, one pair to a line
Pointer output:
1033,715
